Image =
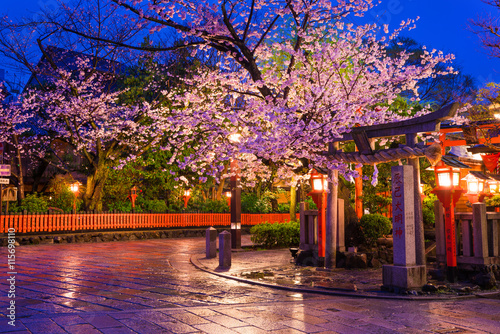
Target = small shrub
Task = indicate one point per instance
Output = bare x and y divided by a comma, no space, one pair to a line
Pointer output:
215,206
374,226
251,203
64,200
276,235
122,206
428,210
33,203
312,205
284,208
493,201
151,205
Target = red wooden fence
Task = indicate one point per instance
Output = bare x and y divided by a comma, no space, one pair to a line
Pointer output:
31,223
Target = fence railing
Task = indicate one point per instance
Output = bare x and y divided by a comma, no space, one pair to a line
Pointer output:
32,223
477,236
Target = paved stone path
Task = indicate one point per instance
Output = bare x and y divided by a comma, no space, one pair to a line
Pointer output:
149,286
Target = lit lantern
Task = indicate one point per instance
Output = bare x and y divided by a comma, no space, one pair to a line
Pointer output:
474,185
133,197
447,176
74,187
318,182
186,196
493,183
448,192
318,194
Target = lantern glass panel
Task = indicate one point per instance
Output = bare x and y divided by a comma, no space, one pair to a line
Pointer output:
444,179
481,186
456,178
472,187
317,184
493,187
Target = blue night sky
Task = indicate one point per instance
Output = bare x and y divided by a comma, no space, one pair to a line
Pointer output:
442,25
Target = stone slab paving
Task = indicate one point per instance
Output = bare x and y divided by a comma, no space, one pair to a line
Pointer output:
150,286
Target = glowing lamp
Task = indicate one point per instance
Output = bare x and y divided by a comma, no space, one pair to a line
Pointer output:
186,196
74,187
448,192
447,176
318,182
318,194
474,185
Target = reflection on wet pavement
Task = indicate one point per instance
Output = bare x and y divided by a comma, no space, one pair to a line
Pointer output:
149,286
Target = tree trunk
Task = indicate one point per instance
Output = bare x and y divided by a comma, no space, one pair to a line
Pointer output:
20,179
293,203
92,197
220,188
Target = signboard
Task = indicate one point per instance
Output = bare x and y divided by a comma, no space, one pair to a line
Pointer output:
4,181
4,170
9,194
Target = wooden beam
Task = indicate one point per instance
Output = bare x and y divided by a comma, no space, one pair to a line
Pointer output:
427,123
362,142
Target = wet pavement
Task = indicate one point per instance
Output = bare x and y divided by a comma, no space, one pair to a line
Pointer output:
150,286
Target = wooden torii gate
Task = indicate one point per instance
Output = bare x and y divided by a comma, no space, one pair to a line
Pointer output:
363,138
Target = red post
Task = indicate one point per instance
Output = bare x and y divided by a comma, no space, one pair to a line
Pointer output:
358,186
449,197
320,201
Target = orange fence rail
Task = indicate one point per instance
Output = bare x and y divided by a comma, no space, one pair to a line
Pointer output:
32,223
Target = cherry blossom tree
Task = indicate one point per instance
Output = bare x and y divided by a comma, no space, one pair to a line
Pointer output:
14,132
290,77
81,112
487,28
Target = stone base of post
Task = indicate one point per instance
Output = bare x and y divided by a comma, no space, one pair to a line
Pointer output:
404,277
224,250
211,242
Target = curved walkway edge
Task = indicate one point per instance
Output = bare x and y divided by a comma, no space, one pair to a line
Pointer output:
195,261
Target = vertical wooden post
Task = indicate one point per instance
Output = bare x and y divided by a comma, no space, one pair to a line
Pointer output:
331,226
440,232
465,226
340,226
479,230
495,238
411,140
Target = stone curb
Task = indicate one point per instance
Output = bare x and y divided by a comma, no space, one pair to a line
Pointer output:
386,295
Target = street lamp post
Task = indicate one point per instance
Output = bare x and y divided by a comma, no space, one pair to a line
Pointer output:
448,192
318,194
235,198
74,188
235,201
